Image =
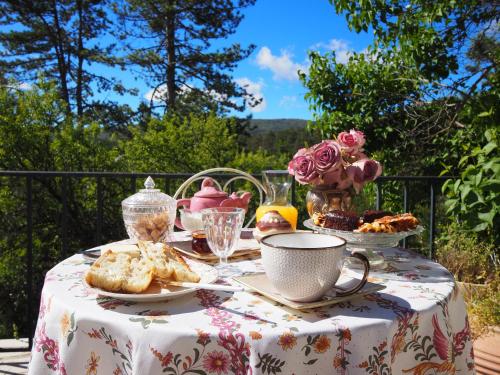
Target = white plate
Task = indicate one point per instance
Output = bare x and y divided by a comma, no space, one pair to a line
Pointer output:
208,274
365,240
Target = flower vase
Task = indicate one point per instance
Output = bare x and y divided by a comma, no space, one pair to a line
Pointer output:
324,198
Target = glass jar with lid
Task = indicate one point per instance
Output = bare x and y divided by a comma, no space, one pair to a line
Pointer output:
149,215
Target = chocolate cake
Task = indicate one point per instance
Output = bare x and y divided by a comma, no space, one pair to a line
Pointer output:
371,215
341,220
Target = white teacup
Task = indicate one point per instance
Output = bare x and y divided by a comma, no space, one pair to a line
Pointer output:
303,266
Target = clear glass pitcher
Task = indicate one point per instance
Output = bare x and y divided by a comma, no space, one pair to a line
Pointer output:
278,183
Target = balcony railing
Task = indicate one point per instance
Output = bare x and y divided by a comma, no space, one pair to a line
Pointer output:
432,184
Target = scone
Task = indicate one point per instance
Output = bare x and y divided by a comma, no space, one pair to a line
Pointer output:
109,271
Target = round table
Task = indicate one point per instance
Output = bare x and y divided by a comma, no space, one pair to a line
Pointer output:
416,325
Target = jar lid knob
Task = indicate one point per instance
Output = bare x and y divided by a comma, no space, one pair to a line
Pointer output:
149,184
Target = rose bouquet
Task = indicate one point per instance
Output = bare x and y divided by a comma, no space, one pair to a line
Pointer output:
340,163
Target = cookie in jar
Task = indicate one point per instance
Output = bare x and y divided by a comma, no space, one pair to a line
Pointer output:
152,227
149,215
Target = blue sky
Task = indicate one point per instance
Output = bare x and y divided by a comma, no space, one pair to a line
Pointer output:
283,31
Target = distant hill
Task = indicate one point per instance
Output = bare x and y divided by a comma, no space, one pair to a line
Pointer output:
279,136
276,125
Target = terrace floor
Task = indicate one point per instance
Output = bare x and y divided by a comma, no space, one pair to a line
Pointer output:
14,362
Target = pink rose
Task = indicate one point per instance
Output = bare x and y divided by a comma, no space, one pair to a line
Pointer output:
360,136
338,177
301,152
352,142
326,156
363,171
303,168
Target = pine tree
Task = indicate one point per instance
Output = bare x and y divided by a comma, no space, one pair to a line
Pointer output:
172,43
62,39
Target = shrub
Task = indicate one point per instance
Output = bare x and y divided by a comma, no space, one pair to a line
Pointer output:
470,259
483,308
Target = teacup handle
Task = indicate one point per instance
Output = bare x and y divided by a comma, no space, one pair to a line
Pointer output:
362,282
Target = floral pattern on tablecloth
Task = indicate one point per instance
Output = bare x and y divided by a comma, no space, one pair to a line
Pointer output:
416,325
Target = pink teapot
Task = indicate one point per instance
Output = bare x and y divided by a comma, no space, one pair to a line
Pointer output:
210,196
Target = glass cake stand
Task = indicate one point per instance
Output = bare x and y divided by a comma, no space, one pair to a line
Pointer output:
366,242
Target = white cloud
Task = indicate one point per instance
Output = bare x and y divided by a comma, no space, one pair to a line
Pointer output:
161,93
254,88
282,66
20,86
288,101
24,86
339,46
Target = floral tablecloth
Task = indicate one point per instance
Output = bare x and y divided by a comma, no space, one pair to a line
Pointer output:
416,325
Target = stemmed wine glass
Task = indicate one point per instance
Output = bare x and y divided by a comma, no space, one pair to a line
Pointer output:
223,228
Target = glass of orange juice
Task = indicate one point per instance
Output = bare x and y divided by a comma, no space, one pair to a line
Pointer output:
278,183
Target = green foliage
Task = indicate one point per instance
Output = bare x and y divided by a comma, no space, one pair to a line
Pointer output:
474,198
283,141
406,90
483,308
58,37
469,258
425,32
36,133
172,144
359,94
475,263
172,43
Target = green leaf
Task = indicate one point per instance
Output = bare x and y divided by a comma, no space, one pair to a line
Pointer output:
485,114
490,183
489,147
465,192
478,178
487,217
480,227
463,160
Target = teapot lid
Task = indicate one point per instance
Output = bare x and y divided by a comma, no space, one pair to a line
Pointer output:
148,197
209,190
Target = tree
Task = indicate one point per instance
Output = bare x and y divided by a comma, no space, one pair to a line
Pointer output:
36,133
409,88
430,34
64,40
173,42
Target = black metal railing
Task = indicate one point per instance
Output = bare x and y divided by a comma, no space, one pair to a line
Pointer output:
432,182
